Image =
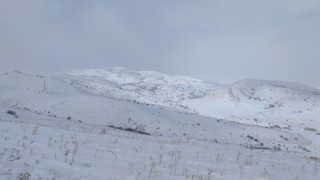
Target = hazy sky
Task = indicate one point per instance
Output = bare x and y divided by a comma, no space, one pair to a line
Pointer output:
207,39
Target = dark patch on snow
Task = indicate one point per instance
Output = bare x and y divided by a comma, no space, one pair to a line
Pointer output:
12,113
310,129
129,130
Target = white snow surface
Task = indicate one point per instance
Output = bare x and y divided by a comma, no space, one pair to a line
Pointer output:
119,124
257,102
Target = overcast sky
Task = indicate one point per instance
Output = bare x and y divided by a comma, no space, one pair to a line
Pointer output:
208,39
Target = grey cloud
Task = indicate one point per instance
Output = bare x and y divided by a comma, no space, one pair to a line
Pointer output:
215,40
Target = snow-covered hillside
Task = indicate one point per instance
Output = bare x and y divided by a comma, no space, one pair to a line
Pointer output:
265,103
118,124
146,87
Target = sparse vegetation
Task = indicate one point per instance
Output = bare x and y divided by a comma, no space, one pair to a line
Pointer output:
13,113
23,176
130,130
155,142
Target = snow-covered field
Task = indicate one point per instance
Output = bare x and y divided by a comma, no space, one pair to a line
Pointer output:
118,124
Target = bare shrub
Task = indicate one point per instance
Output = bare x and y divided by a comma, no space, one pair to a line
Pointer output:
23,176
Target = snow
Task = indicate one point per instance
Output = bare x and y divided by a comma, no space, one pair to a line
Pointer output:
80,126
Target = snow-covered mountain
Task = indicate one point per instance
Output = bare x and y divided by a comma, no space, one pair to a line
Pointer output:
265,103
119,124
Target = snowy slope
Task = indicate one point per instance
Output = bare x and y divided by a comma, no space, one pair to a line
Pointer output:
117,124
273,104
143,86
266,103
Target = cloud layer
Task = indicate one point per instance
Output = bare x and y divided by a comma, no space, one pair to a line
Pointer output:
215,40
